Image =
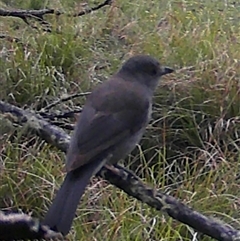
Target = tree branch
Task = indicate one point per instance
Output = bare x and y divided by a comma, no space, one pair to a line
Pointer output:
23,227
127,181
38,15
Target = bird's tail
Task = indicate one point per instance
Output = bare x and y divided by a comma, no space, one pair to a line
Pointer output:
62,211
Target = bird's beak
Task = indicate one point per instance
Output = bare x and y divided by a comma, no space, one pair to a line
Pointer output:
166,70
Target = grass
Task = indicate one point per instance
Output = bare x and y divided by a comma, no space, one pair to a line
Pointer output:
191,147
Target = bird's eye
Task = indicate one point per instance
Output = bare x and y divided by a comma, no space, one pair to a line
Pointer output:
154,71
151,69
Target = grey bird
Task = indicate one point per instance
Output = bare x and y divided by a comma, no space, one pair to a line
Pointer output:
112,122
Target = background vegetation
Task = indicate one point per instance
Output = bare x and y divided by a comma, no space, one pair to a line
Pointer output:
191,148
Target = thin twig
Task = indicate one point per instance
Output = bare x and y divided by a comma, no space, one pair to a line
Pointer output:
65,98
39,14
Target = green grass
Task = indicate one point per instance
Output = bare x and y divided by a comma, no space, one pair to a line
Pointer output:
191,148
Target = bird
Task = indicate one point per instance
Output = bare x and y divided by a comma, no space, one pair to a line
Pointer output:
111,124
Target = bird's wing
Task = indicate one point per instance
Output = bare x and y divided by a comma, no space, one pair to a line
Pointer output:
97,131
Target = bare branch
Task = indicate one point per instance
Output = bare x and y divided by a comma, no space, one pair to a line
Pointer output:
38,15
63,99
127,181
107,2
19,226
